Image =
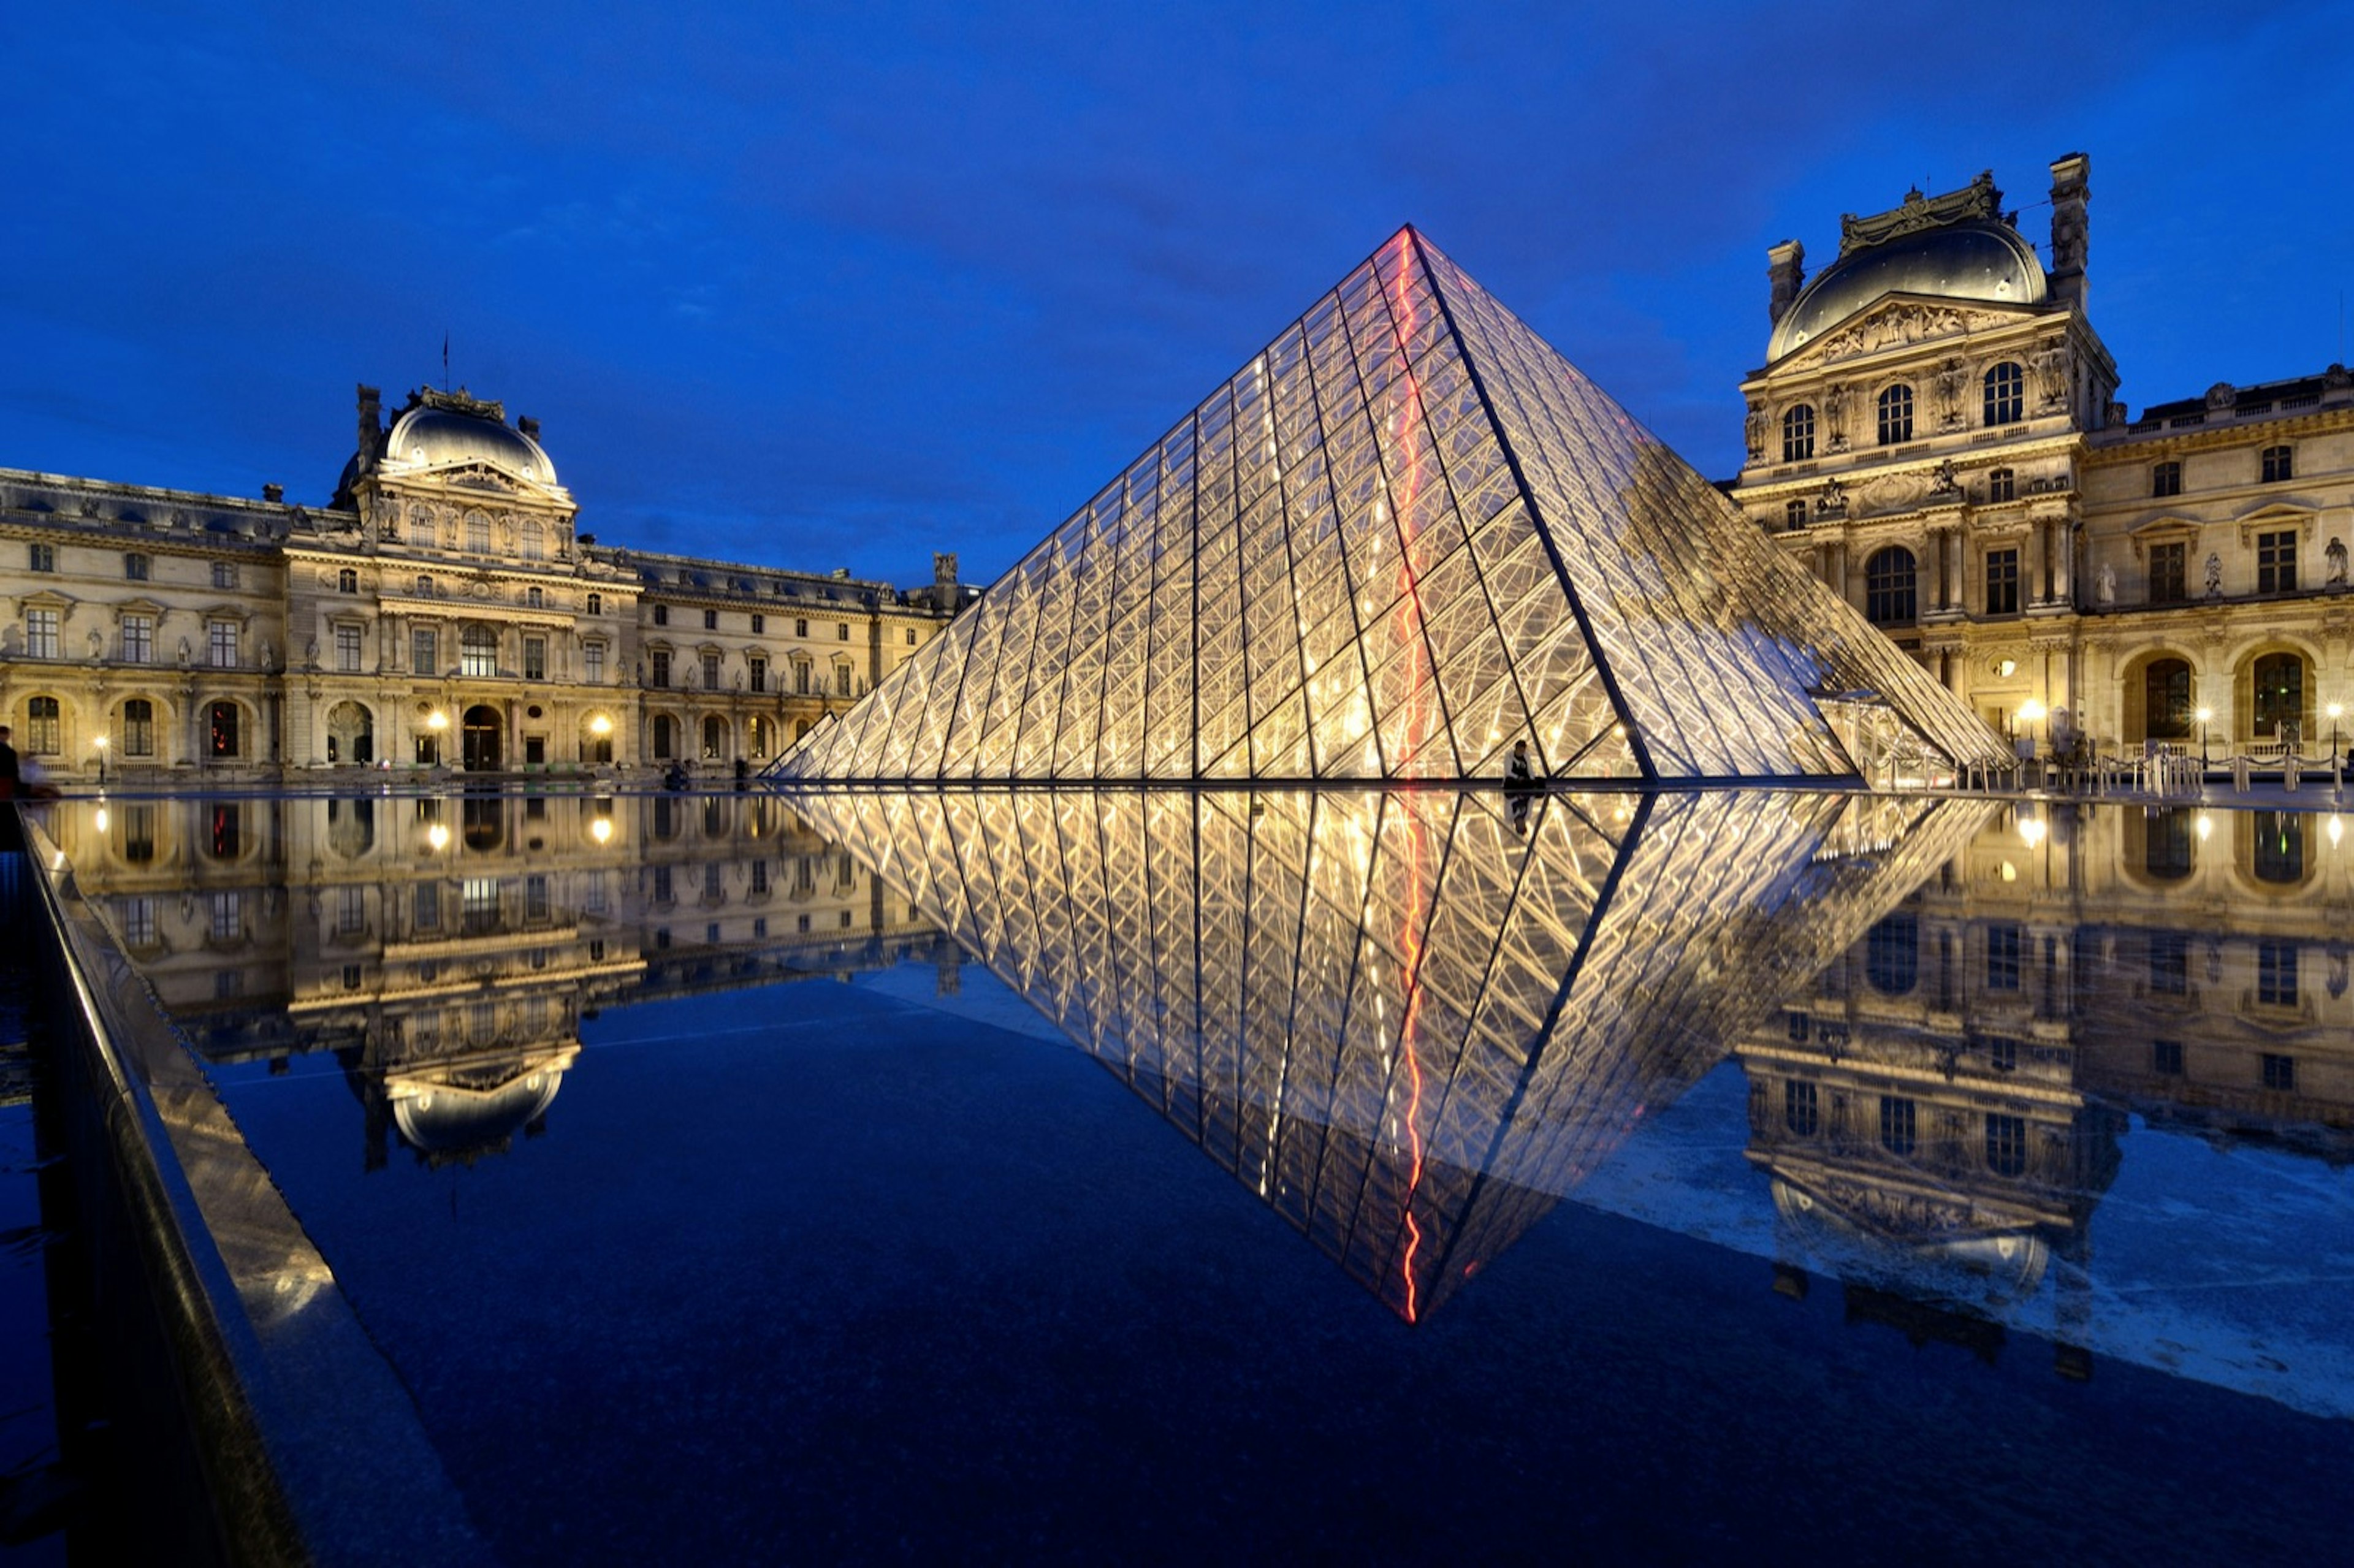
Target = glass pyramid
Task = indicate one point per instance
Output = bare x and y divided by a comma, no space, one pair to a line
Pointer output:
1404,536
1408,1020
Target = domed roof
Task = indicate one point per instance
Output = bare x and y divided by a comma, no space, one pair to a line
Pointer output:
1983,259
449,1118
429,436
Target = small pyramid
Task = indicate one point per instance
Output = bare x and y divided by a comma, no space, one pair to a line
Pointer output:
1402,538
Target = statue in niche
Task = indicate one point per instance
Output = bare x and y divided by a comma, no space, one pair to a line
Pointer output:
97,643
184,652
2105,588
311,655
1756,430
2336,558
1952,382
2214,575
1836,398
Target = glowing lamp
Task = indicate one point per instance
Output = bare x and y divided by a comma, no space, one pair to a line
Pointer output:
100,819
2030,711
437,836
601,829
2206,714
436,720
600,724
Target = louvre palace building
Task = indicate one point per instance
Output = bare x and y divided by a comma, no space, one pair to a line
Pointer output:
441,611
1935,434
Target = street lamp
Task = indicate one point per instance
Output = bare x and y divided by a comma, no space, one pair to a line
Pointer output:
2204,715
2336,710
101,753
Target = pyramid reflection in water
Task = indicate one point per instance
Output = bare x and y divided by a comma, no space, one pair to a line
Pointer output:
1405,536
1406,1021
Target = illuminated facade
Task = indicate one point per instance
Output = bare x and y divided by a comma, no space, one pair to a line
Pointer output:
1409,1022
1935,435
1406,538
441,611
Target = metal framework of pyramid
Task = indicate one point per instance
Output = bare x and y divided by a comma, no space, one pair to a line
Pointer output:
1405,536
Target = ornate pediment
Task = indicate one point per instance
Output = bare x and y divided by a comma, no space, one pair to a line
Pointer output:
1900,321
1978,201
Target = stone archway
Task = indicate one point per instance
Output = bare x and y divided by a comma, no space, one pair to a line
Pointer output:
351,734
479,736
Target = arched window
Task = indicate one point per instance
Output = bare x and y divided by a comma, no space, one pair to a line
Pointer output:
2278,694
1888,585
138,728
1892,955
347,581
44,728
1895,415
2169,849
220,727
2278,850
478,651
714,737
2166,700
2006,394
1799,433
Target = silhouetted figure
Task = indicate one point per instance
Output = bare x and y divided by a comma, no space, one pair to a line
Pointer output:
1520,770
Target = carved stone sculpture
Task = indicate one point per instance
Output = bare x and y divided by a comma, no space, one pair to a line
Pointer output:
1952,381
2105,588
1755,430
2214,575
2335,556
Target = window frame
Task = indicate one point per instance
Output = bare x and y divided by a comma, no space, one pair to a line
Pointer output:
2004,390
1895,410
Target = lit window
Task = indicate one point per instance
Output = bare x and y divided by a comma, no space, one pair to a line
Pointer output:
221,730
2276,562
44,728
1799,433
2166,478
41,633
2006,394
2277,467
2277,683
1895,415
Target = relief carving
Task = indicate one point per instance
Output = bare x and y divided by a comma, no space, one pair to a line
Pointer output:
1952,383
2052,376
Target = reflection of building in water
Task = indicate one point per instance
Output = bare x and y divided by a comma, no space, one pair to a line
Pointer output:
1946,1104
1404,1021
446,948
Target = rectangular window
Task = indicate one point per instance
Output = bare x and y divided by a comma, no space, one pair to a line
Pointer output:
662,890
760,674
228,915
2002,484
428,906
2276,974
44,726
660,668
351,910
136,567
40,633
138,728
139,640
347,650
221,644
535,898
2276,562
801,628
2166,1058
534,658
43,559
710,620
224,574
425,651
2277,467
139,922
1799,1112
1898,1125
760,621
2280,1073
711,672
2006,1144
2166,478
844,629
2169,963
801,677
842,679
911,637
759,876
2002,582
2003,942
2168,580
592,662
478,903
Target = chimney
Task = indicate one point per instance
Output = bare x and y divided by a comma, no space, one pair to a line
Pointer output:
371,427
273,493
1785,270
2071,189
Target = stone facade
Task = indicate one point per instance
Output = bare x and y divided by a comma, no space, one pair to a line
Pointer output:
1937,433
441,611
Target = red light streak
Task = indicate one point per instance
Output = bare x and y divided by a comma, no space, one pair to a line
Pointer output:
1411,739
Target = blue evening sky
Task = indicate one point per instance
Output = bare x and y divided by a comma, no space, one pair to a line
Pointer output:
826,286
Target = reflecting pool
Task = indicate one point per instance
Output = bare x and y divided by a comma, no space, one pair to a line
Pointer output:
738,1175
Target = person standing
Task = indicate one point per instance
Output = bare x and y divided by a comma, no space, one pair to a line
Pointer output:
1518,771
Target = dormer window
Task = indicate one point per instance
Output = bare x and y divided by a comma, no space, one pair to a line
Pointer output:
1799,433
2006,394
1895,415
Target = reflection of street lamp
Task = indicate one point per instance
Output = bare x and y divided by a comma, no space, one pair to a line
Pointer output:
2205,824
2204,715
101,753
601,829
437,836
2031,831
2335,709
2336,830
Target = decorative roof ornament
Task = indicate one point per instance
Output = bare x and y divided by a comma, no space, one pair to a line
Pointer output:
458,402
1978,201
